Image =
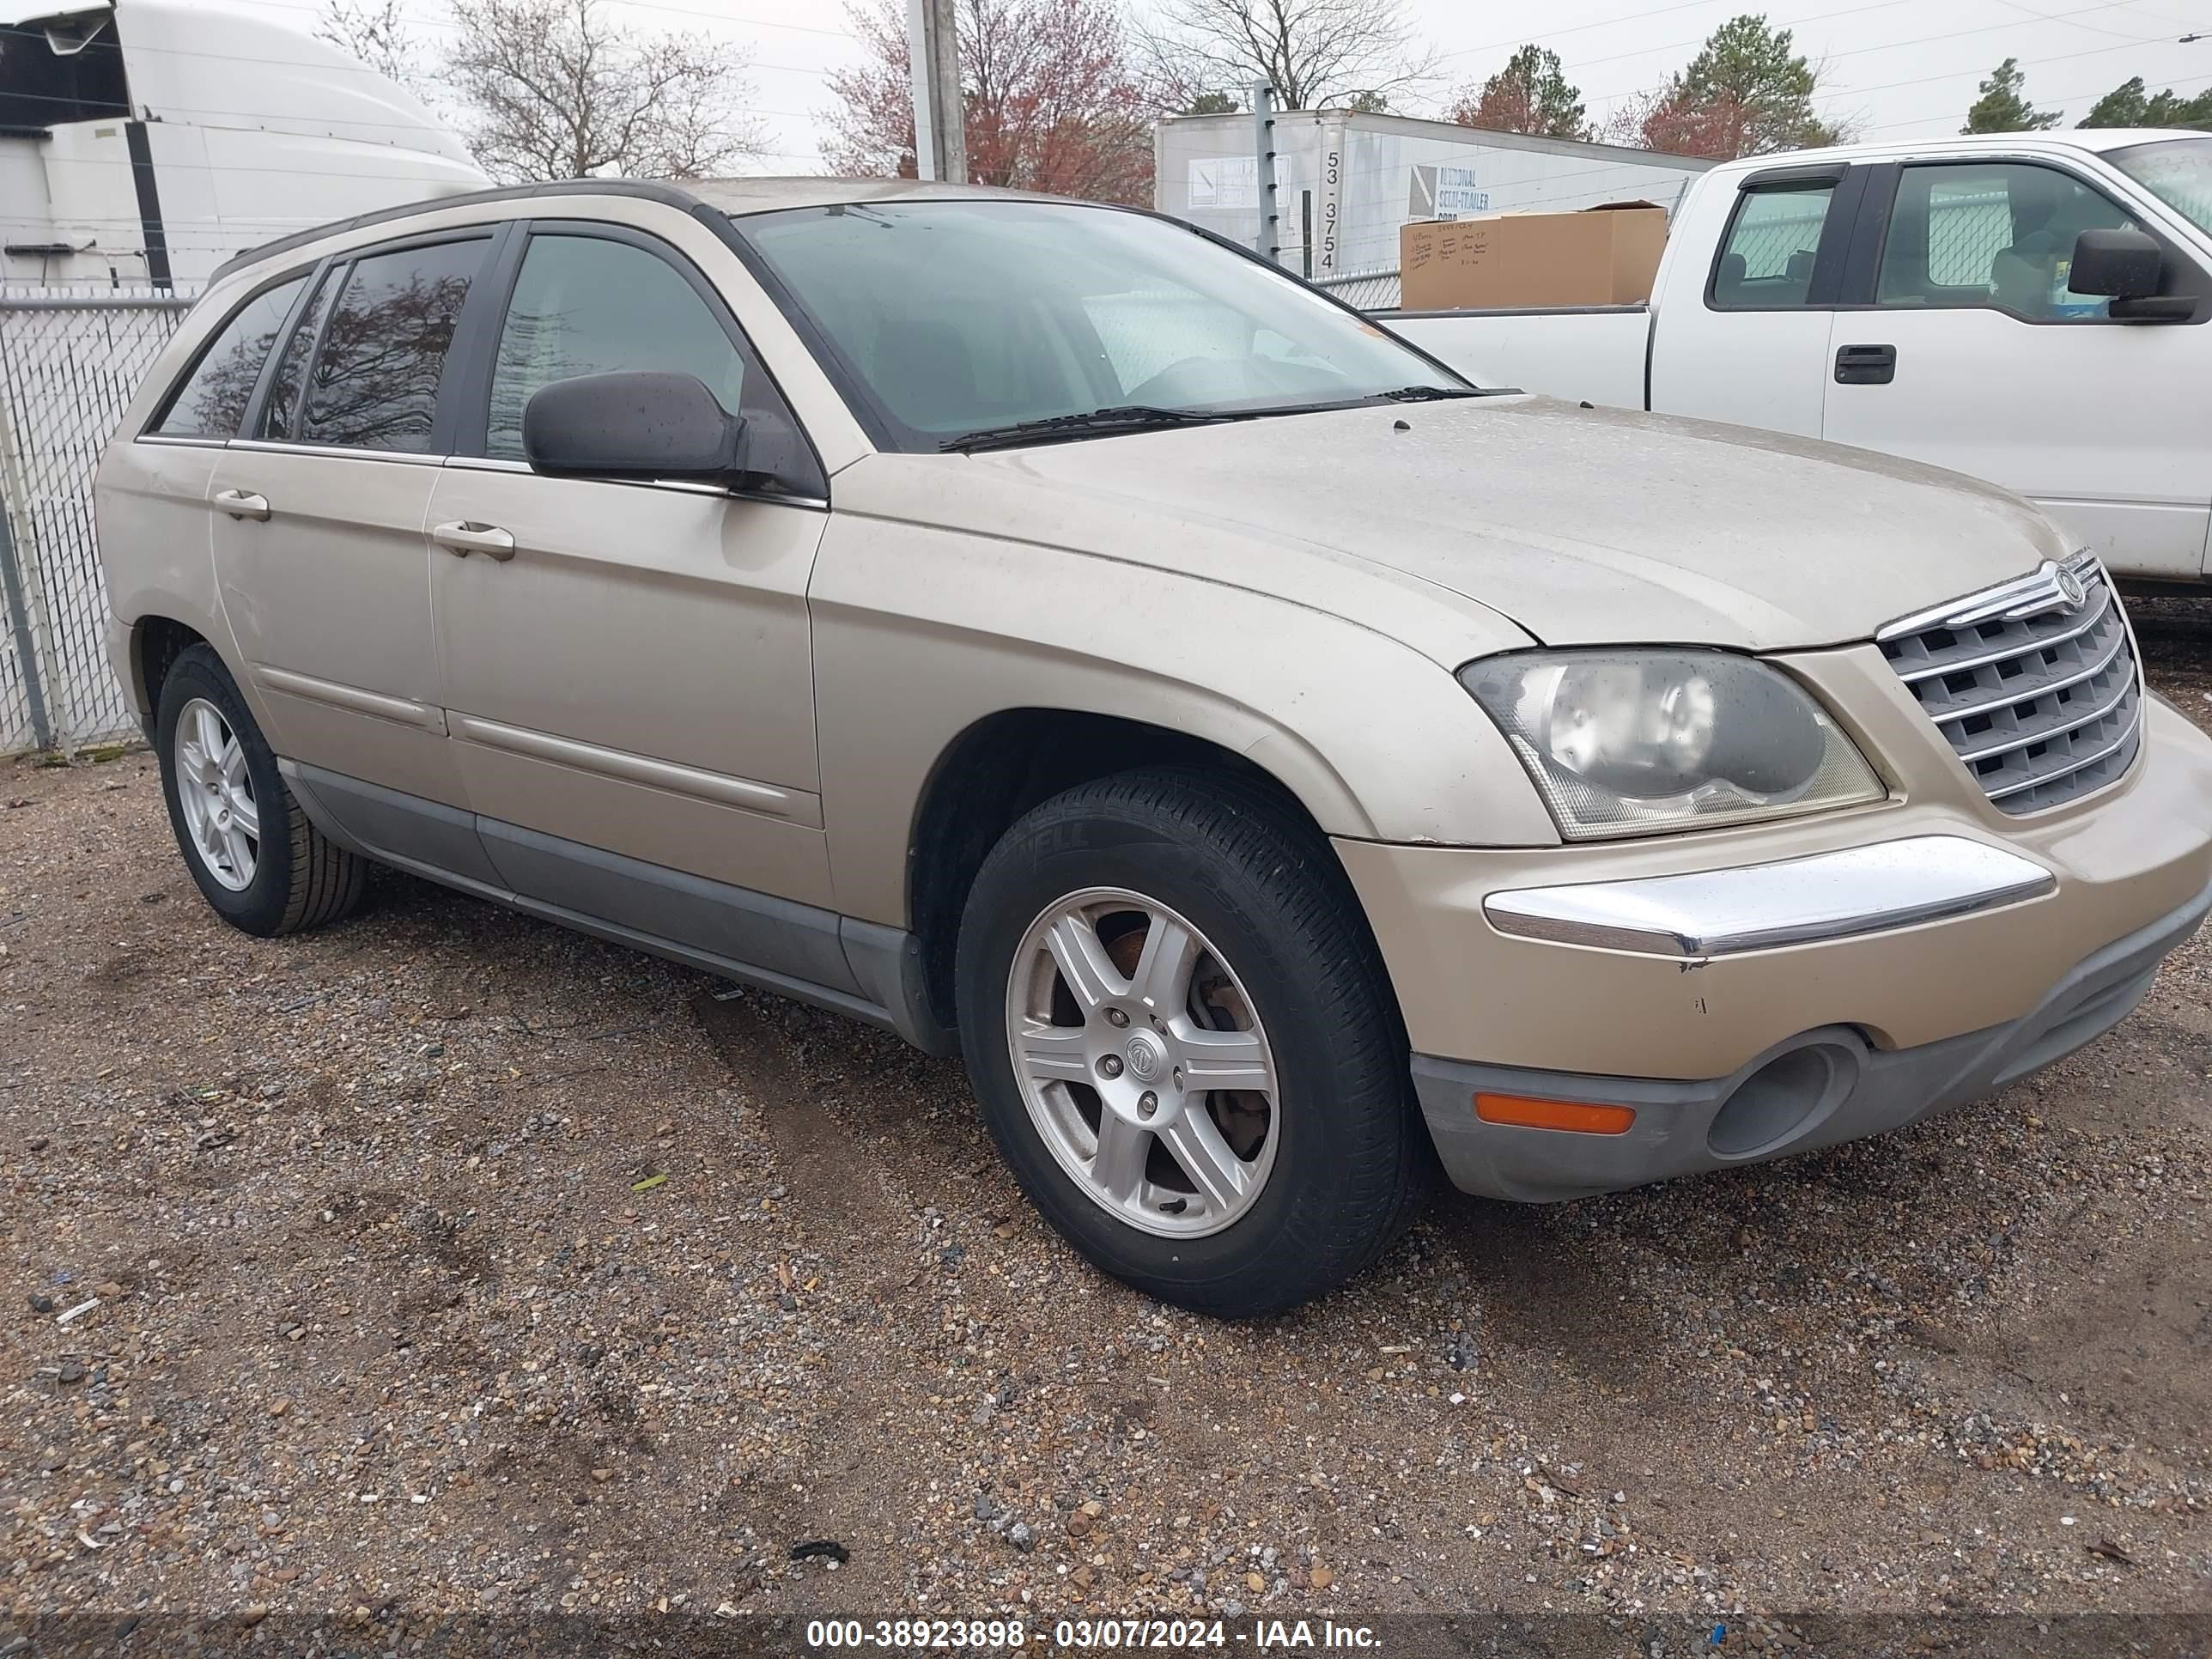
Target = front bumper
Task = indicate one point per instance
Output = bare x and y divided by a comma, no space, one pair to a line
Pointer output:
1815,1090
1597,974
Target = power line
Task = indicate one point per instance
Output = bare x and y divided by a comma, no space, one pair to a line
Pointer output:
716,15
2061,17
1888,45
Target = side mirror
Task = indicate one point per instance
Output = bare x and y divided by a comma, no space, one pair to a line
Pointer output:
632,425
2124,263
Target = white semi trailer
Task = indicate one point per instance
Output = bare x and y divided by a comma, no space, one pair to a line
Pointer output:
145,142
1344,182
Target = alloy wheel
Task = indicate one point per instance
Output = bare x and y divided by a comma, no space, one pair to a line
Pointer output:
222,821
1143,1062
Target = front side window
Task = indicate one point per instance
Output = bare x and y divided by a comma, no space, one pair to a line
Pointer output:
585,305
1773,241
212,401
1995,236
374,383
2178,171
960,316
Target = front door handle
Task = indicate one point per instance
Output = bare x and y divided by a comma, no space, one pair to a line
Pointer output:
242,503
1866,365
465,535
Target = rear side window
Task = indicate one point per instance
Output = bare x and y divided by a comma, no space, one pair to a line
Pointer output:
585,305
374,383
212,400
282,406
1766,260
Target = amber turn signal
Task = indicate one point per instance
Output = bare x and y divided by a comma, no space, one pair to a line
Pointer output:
1554,1115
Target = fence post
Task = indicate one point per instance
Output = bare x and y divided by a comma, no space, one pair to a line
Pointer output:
1268,245
17,580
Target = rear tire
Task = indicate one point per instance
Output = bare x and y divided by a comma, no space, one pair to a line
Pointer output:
1135,937
258,862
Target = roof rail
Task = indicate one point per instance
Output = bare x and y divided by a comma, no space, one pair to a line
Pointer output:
646,189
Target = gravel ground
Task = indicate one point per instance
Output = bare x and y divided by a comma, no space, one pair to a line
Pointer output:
445,1262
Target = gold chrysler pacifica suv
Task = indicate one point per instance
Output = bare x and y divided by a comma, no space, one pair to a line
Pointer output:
1281,768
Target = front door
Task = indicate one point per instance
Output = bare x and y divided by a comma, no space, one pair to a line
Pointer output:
318,520
627,666
1977,356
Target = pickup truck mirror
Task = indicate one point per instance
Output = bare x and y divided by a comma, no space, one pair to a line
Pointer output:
2124,263
633,425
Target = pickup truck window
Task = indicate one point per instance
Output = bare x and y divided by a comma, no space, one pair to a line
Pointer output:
945,318
1766,259
2178,172
1992,235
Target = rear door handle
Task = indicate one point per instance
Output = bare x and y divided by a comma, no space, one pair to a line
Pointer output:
242,503
465,535
1866,365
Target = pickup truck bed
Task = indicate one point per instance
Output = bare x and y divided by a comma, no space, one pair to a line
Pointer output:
1595,354
2034,309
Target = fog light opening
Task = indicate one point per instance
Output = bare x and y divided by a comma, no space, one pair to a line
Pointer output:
1781,1100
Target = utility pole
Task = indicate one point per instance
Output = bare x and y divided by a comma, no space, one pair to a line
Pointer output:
940,149
1268,244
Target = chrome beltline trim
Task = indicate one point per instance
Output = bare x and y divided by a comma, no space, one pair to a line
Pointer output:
1763,907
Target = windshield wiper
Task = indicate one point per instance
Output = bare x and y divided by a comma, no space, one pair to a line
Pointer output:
1425,394
1127,417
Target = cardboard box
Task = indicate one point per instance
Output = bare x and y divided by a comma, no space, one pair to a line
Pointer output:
1602,256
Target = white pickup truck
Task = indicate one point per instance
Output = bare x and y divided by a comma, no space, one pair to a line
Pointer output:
2027,308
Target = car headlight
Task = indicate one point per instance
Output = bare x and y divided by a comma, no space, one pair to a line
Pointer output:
1636,743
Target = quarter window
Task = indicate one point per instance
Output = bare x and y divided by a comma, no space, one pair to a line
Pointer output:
212,400
585,305
374,384
1995,236
1766,261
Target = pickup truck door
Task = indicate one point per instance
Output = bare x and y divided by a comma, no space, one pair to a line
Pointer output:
627,666
1974,354
1743,337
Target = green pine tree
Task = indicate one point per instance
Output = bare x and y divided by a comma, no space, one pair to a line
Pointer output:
2003,105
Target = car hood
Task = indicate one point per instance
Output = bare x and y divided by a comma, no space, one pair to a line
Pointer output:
1582,525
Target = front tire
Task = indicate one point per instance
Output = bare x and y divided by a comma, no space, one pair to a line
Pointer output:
1185,1045
257,860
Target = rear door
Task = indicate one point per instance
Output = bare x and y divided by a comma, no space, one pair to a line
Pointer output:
1974,353
1749,343
627,666
318,514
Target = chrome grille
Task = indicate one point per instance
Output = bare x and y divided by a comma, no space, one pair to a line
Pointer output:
2038,694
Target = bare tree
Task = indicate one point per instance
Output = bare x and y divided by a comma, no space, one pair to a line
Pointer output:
1049,100
557,89
1315,53
374,31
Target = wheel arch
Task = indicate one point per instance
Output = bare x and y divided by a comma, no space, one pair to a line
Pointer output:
1004,763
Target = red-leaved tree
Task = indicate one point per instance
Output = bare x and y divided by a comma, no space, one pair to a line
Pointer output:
1051,102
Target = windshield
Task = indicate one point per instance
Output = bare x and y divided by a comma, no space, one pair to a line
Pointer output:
956,318
2177,172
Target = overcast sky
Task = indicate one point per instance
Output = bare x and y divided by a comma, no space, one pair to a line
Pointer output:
1898,68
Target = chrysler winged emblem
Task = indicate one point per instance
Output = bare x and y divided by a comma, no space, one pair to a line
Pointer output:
2051,587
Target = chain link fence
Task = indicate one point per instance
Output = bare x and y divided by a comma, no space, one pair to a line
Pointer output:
70,361
1369,290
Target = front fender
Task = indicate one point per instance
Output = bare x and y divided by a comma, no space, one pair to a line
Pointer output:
919,633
